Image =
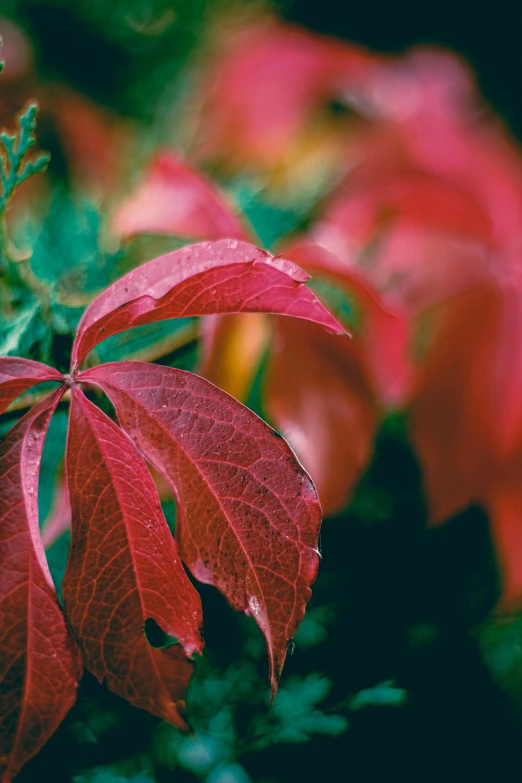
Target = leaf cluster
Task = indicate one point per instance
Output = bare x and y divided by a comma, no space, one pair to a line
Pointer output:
248,514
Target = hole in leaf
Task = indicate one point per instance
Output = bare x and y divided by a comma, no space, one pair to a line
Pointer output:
156,636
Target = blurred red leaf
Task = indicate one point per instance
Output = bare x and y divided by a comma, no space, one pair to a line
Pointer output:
203,279
468,401
433,199
17,54
451,408
385,332
418,238
326,393
269,82
40,663
173,199
248,515
232,349
124,571
319,396
91,138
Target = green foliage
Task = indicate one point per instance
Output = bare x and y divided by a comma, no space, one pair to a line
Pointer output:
295,716
66,249
45,293
106,775
386,694
272,219
345,307
14,168
25,334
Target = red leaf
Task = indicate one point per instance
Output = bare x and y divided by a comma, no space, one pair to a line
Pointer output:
227,276
17,375
91,138
249,516
232,347
467,403
421,239
40,663
271,82
124,570
385,333
319,396
454,415
174,199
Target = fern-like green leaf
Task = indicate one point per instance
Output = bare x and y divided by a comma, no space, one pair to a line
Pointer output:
13,168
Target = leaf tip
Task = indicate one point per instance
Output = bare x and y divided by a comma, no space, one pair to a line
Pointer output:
174,712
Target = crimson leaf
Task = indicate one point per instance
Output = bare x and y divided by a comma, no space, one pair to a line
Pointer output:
174,199
17,375
40,663
248,514
124,574
318,393
227,276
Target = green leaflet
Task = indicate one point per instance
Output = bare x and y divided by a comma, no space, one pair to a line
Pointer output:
20,335
14,169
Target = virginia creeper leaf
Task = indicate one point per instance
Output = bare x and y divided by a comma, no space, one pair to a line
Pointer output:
292,71
467,401
455,411
174,199
39,662
385,335
227,276
17,375
124,569
248,514
319,395
232,348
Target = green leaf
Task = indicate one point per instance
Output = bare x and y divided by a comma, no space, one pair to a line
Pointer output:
295,715
66,249
346,309
16,146
19,335
386,694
